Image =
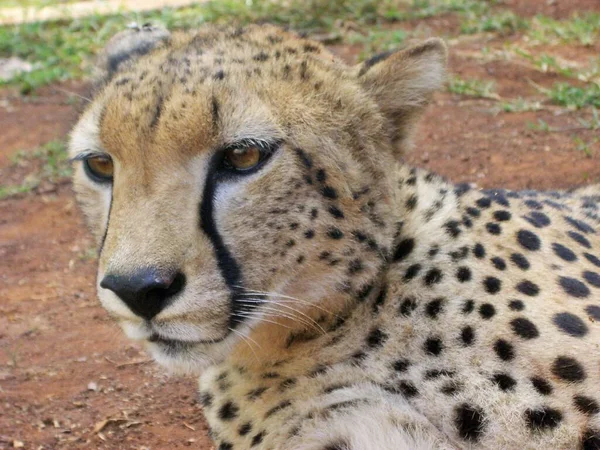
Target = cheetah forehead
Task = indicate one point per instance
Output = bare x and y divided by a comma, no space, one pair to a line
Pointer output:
197,89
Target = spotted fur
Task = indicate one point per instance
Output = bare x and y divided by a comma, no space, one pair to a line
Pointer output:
337,298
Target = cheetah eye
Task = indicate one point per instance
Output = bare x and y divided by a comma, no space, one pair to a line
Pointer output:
242,159
99,168
246,156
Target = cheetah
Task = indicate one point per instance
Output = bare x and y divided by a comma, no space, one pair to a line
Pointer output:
257,226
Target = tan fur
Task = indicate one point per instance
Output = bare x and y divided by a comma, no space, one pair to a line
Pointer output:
339,298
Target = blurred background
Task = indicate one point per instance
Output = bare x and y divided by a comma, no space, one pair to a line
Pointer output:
520,110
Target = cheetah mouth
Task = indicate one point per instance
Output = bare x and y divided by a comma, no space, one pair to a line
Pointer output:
178,344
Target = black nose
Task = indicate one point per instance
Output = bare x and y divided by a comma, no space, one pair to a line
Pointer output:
146,291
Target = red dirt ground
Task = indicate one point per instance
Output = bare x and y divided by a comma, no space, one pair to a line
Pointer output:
68,377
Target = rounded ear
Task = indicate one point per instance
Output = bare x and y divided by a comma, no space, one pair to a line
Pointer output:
128,46
402,83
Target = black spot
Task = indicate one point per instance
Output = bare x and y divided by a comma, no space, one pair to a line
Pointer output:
225,446
564,253
434,307
581,226
467,335
484,202
498,263
493,228
314,213
580,239
337,446
593,259
380,300
479,251
433,276
215,112
364,292
412,272
487,311
336,212
592,278
505,382
403,249
543,419
329,192
537,219
401,365
261,57
590,440
541,385
492,285
570,324
256,393
468,307
451,388
529,288
568,369
586,405
411,203
529,240
257,439
228,411
574,287
524,328
305,158
287,383
520,261
593,311
335,233
469,421
502,215
436,373
206,399
309,234
279,407
244,429
516,305
407,306
355,267
504,350
408,389
473,212
533,204
453,228
463,274
376,338
219,75
433,346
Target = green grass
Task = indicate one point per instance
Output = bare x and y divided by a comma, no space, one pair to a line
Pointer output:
574,97
519,105
53,162
584,29
505,22
472,88
63,50
33,3
377,41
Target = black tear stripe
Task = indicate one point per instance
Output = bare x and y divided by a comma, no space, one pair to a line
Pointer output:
107,224
229,267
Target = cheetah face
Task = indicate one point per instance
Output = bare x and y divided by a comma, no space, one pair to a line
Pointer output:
238,180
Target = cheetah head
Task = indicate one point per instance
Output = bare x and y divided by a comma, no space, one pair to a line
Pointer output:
238,181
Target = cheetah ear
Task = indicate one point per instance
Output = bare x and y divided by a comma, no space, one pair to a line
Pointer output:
402,83
126,47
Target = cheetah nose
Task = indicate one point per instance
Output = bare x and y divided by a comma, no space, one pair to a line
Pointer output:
147,291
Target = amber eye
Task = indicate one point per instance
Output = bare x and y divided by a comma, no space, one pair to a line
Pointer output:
242,158
99,168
